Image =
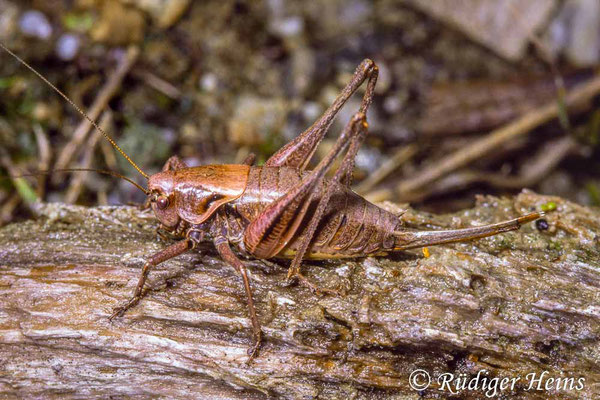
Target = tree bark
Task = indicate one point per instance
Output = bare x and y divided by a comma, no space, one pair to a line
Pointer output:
516,304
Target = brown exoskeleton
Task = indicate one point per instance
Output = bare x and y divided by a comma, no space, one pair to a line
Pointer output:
281,209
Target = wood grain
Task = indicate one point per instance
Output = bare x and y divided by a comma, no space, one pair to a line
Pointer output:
518,303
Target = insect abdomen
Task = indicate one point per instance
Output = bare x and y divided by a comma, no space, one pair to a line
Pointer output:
351,226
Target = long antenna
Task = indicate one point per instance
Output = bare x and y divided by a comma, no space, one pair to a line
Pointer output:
99,171
64,96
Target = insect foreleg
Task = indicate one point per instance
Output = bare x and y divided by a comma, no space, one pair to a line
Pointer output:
155,259
249,160
174,163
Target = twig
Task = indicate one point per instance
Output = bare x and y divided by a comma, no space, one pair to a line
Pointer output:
109,155
24,190
104,96
8,208
45,152
544,161
159,84
549,58
401,156
88,156
479,148
102,197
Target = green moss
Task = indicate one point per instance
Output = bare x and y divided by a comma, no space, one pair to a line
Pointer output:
555,245
590,133
504,243
79,22
25,191
145,143
269,146
549,206
7,81
594,193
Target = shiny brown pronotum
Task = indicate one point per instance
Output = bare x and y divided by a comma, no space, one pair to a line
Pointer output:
281,209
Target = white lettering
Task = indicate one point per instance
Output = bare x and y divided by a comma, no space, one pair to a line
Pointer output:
446,380
533,381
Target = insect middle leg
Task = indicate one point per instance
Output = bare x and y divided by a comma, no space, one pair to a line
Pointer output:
222,246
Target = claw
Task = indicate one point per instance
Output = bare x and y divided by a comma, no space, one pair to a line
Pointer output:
319,291
117,312
253,351
120,311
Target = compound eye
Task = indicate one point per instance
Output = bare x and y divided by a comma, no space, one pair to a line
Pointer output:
162,202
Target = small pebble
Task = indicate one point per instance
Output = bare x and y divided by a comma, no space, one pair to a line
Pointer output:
355,12
385,78
34,23
542,225
67,46
311,111
288,27
426,252
209,82
393,104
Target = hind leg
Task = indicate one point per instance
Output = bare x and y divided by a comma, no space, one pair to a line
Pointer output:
298,152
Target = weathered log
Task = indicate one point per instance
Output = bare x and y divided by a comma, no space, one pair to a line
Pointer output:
520,303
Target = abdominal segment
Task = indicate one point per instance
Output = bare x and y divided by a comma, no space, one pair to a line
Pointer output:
350,226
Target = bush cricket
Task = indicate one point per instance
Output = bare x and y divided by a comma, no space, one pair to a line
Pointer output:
282,209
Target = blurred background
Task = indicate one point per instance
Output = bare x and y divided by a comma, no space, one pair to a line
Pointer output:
474,96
